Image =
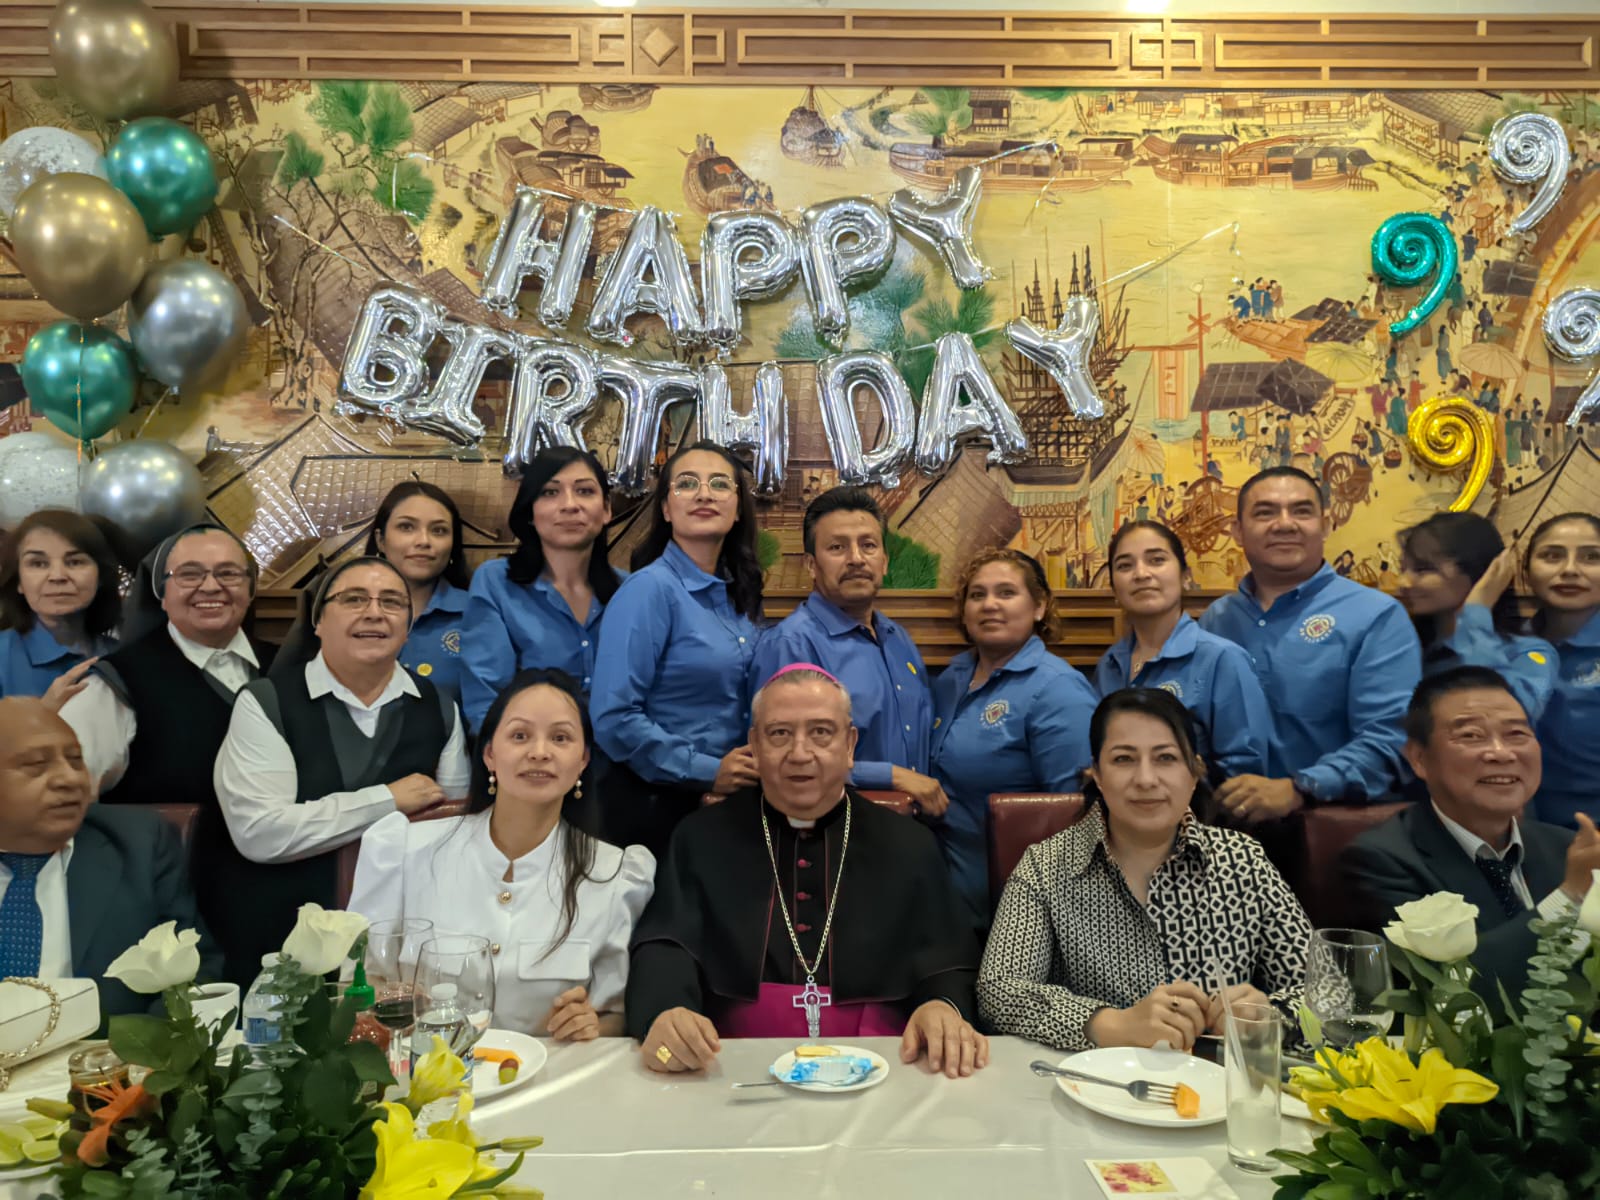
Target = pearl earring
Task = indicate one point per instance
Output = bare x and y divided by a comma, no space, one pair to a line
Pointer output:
491,783
577,792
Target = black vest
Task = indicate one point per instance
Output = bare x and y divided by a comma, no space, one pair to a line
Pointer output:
254,905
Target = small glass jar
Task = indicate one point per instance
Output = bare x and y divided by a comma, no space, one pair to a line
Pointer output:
96,1065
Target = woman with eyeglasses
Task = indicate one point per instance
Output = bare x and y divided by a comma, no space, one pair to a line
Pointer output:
417,528
669,698
541,607
58,605
317,753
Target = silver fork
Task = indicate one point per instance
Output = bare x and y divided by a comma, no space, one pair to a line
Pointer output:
1139,1089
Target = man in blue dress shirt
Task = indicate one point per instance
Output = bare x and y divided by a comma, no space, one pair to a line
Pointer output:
838,628
1338,661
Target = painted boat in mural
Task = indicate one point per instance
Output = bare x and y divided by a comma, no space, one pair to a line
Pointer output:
713,182
1287,162
616,97
808,138
1022,169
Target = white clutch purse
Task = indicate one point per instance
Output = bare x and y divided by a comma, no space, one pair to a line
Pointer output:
41,1015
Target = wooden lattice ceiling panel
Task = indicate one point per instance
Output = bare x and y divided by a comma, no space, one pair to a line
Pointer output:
408,42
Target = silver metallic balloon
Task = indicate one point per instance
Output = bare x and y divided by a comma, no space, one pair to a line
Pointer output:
31,154
651,247
1572,331
447,408
647,390
1064,352
743,256
556,262
188,324
764,429
943,421
386,359
946,224
36,471
553,391
843,241
148,487
838,377
1531,148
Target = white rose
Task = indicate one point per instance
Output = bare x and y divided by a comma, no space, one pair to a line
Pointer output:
1589,914
162,958
321,938
1442,927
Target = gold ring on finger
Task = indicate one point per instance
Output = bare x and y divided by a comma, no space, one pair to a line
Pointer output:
663,1054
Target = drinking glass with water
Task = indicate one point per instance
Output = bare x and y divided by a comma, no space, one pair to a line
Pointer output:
1252,1060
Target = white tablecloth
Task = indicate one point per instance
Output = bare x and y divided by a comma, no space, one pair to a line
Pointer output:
613,1130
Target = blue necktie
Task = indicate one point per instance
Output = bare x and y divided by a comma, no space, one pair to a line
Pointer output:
1499,872
21,922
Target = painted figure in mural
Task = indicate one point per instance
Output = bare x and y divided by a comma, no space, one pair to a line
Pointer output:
1166,648
1562,564
1012,717
541,606
1336,660
58,605
838,628
418,529
670,698
1442,353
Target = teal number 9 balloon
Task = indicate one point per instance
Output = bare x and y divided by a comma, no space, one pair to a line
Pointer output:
1412,249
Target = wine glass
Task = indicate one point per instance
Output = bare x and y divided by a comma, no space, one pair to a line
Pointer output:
464,960
1346,972
393,948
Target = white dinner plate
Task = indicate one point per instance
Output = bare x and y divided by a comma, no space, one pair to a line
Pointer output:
1124,1064
879,1072
486,1083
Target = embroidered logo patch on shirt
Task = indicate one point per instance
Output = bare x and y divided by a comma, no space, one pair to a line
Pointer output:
1316,627
1172,686
424,669
1590,676
451,641
995,711
1537,657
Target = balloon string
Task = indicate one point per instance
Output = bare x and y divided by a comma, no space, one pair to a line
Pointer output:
300,233
78,388
154,408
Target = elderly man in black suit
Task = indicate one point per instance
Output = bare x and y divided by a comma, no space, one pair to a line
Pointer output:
1470,743
79,882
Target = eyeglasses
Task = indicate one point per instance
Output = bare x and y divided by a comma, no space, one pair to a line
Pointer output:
690,485
192,575
354,601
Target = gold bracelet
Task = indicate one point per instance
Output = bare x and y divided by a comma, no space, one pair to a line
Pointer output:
10,1057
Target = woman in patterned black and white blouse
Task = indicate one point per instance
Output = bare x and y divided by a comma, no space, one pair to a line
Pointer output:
1126,929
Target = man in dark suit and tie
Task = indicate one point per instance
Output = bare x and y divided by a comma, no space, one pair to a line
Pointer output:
1470,743
79,882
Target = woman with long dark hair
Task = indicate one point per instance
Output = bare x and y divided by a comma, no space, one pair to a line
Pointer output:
541,606
58,604
1455,581
1563,569
669,697
1136,924
520,868
418,529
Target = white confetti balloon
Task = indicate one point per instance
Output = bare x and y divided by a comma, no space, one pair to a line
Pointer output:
35,476
32,154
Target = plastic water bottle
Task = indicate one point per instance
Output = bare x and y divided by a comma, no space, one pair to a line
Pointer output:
443,1018
263,1024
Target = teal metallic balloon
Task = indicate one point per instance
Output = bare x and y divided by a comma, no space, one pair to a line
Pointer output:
166,170
1410,250
82,377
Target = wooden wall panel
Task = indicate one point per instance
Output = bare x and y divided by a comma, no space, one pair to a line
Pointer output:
416,42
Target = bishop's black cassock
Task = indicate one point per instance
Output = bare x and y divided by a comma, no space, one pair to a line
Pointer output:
713,933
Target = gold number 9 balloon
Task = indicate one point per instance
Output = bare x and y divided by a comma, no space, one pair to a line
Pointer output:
1446,432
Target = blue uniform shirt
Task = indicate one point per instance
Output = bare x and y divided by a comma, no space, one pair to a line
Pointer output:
1216,683
1529,665
1025,730
889,699
30,662
669,696
433,649
1569,732
1338,663
512,626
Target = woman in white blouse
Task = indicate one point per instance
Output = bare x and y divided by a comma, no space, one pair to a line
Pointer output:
1128,928
557,906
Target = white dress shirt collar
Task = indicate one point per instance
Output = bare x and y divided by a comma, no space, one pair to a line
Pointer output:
320,682
200,655
1475,847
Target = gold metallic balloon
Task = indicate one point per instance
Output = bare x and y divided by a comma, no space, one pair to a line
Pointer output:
1446,432
116,56
80,242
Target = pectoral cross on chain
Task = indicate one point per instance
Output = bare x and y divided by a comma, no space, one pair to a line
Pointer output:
813,1000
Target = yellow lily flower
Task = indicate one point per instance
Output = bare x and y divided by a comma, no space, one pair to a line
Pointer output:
438,1074
408,1169
1387,1086
458,1126
1590,1037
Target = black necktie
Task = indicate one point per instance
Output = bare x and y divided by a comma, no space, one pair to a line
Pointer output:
1498,871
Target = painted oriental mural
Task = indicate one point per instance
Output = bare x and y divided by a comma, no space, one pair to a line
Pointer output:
1224,234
